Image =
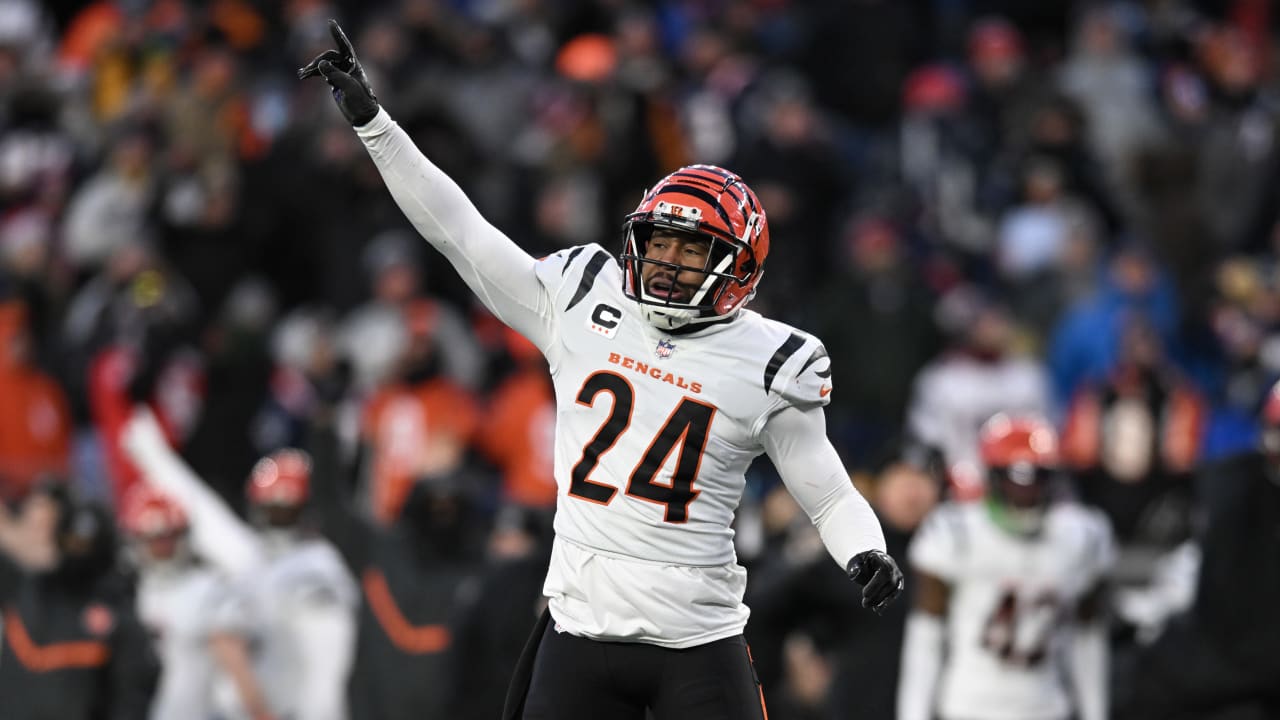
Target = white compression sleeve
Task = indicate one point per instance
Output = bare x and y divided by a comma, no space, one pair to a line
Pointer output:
921,664
1089,665
497,271
217,535
796,441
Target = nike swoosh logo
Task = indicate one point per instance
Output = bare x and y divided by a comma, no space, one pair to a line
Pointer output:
824,391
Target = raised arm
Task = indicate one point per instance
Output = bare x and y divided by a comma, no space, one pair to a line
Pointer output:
796,441
501,274
217,535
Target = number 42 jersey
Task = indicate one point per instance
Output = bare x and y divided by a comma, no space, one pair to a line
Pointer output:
1011,602
654,434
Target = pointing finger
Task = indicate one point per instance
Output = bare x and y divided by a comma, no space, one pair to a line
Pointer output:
339,37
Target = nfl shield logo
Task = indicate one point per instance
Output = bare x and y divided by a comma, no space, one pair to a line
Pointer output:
664,349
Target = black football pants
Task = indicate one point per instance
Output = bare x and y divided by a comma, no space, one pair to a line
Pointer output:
579,679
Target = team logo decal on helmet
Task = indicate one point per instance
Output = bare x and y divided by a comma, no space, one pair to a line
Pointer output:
707,203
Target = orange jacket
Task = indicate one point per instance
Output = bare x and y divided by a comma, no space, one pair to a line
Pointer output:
414,432
519,437
35,428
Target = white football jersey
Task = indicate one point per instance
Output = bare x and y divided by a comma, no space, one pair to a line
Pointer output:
654,434
175,605
300,609
654,430
1012,600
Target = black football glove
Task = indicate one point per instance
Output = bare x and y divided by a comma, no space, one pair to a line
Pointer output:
879,576
342,71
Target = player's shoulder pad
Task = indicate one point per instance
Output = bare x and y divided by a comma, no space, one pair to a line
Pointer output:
942,541
795,366
569,274
316,570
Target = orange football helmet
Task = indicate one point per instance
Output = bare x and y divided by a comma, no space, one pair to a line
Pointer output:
147,513
281,479
709,203
1021,457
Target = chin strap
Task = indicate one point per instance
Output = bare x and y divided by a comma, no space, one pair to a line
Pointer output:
667,324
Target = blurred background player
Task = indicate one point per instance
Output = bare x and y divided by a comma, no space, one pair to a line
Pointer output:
72,644
285,634
1001,584
178,596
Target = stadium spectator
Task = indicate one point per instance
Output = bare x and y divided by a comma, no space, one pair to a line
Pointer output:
885,297
72,644
35,428
982,374
494,611
518,435
411,569
393,263
1133,440
1218,661
418,425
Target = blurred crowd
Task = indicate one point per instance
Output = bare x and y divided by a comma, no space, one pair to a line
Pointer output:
1059,207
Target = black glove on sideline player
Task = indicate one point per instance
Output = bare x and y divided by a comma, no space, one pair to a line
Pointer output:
346,77
879,576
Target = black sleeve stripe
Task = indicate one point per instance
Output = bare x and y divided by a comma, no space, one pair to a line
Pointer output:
786,350
594,266
817,355
569,261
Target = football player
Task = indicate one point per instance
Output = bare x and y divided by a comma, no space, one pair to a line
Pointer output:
284,633
666,388
1009,585
176,594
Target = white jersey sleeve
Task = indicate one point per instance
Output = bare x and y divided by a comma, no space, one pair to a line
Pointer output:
801,373
796,441
794,436
503,276
217,535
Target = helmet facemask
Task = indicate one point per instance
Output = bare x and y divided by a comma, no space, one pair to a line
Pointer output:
1021,457
720,290
1018,496
701,203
